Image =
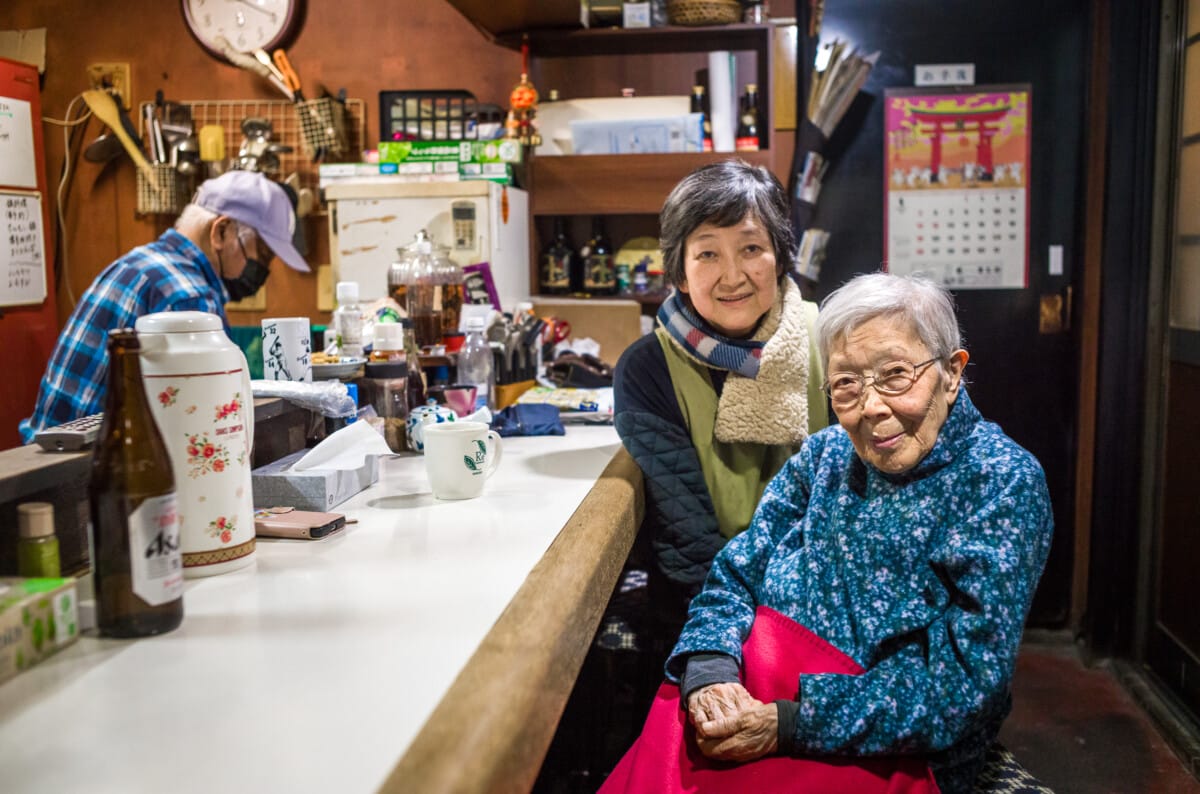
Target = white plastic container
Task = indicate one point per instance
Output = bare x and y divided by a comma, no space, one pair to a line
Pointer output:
199,389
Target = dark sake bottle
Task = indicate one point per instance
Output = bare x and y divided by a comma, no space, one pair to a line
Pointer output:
135,519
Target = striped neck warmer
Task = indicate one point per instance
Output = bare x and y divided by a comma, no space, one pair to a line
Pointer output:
703,343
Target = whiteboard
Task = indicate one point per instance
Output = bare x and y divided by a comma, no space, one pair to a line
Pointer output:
22,249
16,144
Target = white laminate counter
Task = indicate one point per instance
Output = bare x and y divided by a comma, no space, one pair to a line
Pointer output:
314,669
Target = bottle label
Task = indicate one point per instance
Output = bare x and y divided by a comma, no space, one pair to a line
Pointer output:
155,559
748,143
599,272
555,271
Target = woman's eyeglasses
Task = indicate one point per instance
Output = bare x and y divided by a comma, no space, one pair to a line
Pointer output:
891,380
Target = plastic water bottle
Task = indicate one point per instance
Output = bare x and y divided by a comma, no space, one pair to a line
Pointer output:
475,363
348,320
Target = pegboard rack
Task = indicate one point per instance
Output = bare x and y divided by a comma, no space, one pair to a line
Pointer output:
285,125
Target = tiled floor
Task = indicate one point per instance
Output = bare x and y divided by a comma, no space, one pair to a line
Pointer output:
1080,732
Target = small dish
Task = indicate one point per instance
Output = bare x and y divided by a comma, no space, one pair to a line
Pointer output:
340,369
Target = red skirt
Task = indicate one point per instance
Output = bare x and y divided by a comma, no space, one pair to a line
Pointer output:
666,760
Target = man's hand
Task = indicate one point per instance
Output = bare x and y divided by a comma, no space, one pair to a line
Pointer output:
731,724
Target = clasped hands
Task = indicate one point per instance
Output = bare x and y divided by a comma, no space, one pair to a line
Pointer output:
731,724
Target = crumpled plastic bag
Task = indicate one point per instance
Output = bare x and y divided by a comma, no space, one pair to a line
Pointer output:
326,397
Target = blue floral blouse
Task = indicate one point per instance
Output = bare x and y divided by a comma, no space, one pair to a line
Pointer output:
923,578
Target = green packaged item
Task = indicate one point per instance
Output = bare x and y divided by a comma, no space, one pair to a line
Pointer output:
37,618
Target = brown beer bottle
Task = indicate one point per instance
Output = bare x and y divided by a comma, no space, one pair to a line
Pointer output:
135,521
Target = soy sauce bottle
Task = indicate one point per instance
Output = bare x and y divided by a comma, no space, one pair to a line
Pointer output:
557,262
135,519
599,273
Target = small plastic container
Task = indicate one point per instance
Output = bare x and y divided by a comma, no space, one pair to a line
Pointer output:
385,388
37,547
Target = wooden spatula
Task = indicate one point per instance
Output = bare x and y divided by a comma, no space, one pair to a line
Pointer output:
105,108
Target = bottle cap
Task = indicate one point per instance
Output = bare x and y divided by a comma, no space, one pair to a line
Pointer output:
36,519
347,292
389,336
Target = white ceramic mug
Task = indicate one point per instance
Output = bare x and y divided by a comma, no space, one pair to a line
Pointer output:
459,456
287,349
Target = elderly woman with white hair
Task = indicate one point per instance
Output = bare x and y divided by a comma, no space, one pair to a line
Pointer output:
886,575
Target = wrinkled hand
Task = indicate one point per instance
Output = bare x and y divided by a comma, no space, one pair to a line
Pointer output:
731,724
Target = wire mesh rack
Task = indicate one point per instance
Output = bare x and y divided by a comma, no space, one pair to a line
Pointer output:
288,128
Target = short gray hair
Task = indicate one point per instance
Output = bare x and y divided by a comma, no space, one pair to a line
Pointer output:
194,215
723,193
927,306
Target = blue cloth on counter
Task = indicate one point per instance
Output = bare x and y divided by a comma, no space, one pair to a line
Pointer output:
528,419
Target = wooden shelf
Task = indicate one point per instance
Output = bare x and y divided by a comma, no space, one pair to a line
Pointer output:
642,41
616,184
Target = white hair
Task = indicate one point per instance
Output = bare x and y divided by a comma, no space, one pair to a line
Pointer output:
195,216
925,305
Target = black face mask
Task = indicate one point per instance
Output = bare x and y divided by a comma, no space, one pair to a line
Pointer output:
253,276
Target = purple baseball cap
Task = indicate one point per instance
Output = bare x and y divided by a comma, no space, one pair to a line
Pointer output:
250,198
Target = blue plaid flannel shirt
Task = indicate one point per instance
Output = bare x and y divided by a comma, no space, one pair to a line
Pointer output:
169,274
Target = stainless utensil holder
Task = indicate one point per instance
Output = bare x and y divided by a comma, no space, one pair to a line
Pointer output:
171,195
322,126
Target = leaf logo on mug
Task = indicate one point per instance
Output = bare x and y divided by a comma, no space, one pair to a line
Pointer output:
476,464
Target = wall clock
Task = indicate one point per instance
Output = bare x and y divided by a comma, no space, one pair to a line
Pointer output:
246,24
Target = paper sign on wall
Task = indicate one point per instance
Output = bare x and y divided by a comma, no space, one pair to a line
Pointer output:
16,144
22,250
956,185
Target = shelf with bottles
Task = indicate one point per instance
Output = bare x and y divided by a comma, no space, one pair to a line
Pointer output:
630,240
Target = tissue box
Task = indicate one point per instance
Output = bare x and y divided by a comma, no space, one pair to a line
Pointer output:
275,485
37,618
638,136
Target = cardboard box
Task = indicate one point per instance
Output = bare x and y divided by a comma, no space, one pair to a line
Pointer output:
615,324
37,618
638,136
275,485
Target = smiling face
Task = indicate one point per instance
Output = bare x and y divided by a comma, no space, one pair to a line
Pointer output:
730,275
894,434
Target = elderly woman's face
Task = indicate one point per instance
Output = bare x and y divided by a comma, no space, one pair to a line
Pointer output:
893,433
729,275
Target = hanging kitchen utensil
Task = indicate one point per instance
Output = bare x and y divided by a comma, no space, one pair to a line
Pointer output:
106,110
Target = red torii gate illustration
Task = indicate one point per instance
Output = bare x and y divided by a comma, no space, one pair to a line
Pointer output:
981,120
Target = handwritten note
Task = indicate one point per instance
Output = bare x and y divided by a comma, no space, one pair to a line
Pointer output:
17,168
22,249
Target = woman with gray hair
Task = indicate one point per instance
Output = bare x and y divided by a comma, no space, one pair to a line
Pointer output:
893,560
728,386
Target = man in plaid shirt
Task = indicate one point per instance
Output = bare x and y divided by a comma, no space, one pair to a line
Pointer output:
218,251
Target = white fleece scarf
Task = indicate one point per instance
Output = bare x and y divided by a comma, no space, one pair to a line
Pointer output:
771,408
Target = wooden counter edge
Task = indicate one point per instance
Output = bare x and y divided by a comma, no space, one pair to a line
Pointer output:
491,731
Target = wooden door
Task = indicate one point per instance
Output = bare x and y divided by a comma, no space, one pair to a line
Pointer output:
1020,377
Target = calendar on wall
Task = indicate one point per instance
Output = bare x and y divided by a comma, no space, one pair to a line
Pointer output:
956,185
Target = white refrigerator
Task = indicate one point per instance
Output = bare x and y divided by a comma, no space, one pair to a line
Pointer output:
479,221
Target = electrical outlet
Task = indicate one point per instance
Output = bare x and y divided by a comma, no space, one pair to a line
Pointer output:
112,77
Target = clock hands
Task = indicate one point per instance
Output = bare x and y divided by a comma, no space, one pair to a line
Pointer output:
259,9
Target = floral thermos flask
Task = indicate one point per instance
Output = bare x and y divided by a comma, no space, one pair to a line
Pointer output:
199,389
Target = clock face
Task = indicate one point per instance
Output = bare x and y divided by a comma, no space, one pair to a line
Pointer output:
246,24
